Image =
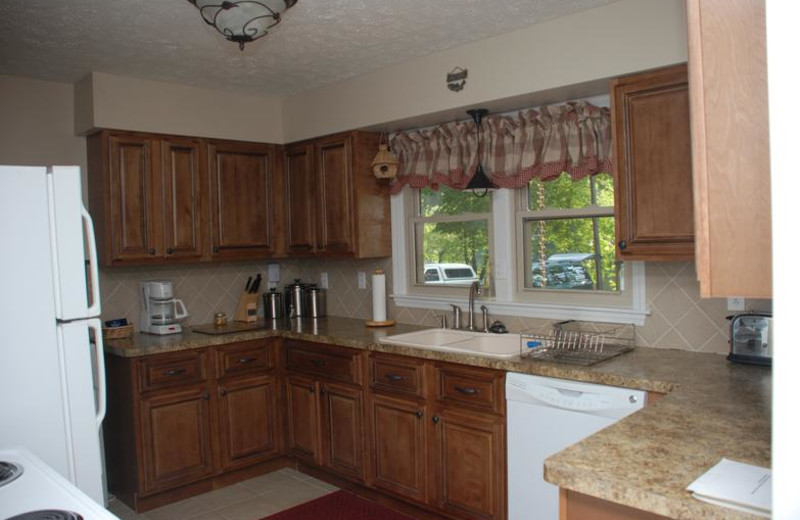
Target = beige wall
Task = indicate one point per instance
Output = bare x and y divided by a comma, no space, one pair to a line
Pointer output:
620,38
107,101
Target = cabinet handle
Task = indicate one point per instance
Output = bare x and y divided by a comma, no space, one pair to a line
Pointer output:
466,390
311,388
151,251
222,391
419,414
174,372
319,362
395,377
322,391
245,360
435,419
206,396
170,250
216,249
623,244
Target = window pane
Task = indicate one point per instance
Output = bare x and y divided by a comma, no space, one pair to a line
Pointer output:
447,201
453,253
564,193
575,254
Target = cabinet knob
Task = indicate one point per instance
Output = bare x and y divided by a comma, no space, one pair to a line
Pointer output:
223,391
623,244
435,419
170,250
216,249
419,414
151,251
322,391
311,388
206,396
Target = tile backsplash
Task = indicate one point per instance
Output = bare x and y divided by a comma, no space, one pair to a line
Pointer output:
679,318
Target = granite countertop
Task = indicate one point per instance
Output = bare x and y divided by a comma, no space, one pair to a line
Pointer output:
713,409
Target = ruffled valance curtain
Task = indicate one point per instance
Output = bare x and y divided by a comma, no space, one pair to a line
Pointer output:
573,137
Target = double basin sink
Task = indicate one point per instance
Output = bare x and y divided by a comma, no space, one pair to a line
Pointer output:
500,346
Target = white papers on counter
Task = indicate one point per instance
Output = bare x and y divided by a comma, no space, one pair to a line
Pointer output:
736,485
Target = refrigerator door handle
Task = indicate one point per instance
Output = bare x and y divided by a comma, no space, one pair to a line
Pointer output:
100,368
94,277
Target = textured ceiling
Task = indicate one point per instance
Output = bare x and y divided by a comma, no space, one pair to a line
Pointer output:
318,42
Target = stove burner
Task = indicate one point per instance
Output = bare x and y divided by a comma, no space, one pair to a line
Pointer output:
48,514
8,472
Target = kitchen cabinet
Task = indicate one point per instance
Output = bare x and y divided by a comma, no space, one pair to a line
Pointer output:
730,147
179,421
148,197
577,506
244,214
652,166
325,407
335,205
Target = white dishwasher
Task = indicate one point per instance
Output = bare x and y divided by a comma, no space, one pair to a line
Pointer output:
546,415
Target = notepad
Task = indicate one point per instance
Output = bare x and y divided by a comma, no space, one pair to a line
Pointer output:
736,485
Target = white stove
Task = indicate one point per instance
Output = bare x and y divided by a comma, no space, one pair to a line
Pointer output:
34,491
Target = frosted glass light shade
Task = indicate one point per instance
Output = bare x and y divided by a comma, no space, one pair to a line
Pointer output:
242,21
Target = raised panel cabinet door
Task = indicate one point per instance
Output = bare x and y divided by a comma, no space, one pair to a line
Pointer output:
335,177
343,429
301,197
241,193
176,440
399,448
653,169
302,419
185,198
135,193
469,451
248,421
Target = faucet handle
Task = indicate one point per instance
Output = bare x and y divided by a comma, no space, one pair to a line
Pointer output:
443,319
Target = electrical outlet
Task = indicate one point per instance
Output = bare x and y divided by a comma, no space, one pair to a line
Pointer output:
323,280
735,304
362,280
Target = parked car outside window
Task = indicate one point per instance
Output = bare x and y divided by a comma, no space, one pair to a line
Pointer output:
450,274
564,271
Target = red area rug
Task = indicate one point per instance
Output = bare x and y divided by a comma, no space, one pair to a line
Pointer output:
340,505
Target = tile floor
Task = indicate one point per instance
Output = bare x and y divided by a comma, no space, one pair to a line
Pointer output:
247,500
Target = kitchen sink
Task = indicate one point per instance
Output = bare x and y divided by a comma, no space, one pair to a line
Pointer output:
461,341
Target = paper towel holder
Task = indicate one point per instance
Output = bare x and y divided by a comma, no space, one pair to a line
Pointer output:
378,296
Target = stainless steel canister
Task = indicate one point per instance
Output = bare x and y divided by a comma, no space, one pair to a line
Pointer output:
294,299
316,302
273,305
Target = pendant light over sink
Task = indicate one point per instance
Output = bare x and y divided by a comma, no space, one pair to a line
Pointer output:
242,21
480,184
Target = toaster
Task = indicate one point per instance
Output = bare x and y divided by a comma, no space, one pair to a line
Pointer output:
751,338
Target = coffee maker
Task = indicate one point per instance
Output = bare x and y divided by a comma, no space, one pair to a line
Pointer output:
159,312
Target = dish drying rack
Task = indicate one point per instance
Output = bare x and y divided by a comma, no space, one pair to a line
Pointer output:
577,342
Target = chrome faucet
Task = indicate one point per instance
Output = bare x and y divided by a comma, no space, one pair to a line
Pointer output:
474,289
485,312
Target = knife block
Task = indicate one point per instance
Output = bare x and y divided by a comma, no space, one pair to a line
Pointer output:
247,309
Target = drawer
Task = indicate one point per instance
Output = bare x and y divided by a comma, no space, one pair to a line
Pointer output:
330,362
245,358
474,387
397,374
165,371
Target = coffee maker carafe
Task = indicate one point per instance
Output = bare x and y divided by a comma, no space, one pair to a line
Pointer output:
159,312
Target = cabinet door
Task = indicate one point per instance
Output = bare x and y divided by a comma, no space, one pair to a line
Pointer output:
241,199
399,450
469,453
302,419
176,441
185,198
248,421
335,178
654,204
301,190
343,429
135,193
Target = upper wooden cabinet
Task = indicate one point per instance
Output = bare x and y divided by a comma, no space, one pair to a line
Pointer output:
730,147
243,211
335,205
652,166
148,196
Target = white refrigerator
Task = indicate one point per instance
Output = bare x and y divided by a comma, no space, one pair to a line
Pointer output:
52,380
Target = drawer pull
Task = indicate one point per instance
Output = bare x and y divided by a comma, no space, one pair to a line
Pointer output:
222,391
174,371
245,360
395,377
319,362
419,414
435,419
311,388
206,396
466,390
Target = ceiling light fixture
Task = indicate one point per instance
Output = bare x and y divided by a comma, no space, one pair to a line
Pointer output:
242,21
479,184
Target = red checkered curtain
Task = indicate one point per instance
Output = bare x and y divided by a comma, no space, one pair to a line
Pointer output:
573,137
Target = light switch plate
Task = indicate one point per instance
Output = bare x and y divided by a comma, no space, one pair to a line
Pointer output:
323,280
362,280
735,304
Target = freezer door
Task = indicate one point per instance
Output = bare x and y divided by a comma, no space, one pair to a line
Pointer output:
72,239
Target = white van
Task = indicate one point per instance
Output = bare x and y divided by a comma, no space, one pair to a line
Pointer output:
450,274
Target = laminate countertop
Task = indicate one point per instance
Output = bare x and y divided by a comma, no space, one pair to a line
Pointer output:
712,409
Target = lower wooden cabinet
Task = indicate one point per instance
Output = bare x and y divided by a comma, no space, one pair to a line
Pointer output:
343,435
302,419
577,506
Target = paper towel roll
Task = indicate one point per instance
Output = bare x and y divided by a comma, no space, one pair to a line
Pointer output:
378,296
